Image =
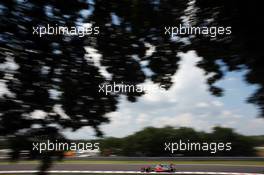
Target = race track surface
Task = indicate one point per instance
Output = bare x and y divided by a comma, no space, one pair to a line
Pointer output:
136,167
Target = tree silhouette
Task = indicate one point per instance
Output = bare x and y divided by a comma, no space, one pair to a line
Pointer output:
54,72
240,51
51,70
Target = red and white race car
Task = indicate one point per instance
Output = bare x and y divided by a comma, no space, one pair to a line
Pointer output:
159,168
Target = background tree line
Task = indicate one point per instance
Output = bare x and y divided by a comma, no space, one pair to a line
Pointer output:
150,142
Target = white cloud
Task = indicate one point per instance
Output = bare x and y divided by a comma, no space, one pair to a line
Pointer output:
217,103
186,103
202,105
85,132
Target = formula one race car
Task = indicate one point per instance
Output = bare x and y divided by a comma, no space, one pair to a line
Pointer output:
159,168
